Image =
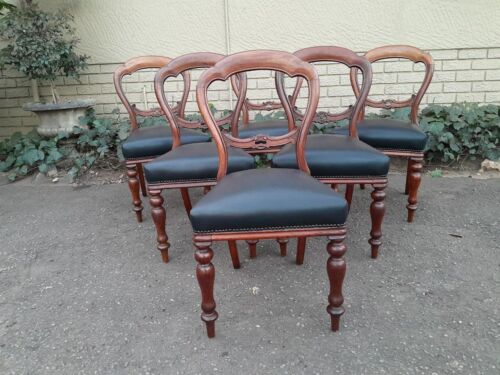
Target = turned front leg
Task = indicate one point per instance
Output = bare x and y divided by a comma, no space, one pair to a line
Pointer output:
205,273
133,184
414,182
377,211
160,219
336,268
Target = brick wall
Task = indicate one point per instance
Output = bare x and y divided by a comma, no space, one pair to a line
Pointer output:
471,75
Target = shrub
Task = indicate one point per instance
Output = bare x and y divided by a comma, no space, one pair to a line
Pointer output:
456,132
40,44
462,131
97,140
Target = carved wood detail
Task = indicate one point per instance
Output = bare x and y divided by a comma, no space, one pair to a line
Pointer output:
414,182
205,273
336,268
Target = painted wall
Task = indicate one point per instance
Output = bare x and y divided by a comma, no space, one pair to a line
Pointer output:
114,30
462,35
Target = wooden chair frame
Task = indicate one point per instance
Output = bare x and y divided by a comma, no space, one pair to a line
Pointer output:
180,65
352,61
415,158
135,172
205,271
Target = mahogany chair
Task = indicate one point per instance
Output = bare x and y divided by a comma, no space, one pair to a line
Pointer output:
341,159
186,165
266,203
145,144
393,137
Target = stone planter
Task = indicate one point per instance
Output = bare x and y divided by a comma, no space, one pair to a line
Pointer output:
55,117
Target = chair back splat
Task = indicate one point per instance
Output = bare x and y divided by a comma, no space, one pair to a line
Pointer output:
351,60
182,65
140,63
402,52
259,60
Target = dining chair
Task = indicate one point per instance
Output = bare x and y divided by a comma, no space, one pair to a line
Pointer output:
186,165
265,203
394,137
341,159
146,143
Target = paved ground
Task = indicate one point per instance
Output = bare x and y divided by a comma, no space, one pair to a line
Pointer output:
82,290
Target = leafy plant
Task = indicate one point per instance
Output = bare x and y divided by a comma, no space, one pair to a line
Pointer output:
97,141
455,133
462,131
40,44
436,173
5,5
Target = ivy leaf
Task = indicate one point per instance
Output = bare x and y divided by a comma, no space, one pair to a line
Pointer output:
32,156
43,168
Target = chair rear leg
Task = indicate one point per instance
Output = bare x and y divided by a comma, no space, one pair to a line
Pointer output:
233,250
140,172
415,178
349,191
282,242
408,171
205,273
186,200
252,248
133,184
336,267
160,219
377,211
301,250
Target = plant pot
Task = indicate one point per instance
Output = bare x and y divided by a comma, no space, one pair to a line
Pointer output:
56,117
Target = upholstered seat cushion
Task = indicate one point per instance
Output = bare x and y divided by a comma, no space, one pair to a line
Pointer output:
274,128
330,155
198,161
157,140
386,134
266,198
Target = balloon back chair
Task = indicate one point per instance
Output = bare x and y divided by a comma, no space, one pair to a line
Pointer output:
393,137
338,159
146,143
186,165
265,203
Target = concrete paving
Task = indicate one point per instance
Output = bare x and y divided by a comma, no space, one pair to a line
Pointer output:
83,290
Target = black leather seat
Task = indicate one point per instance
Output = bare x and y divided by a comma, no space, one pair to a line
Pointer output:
157,140
193,162
330,155
267,198
274,128
387,134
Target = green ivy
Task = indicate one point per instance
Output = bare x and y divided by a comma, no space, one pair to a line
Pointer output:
462,131
456,133
95,140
